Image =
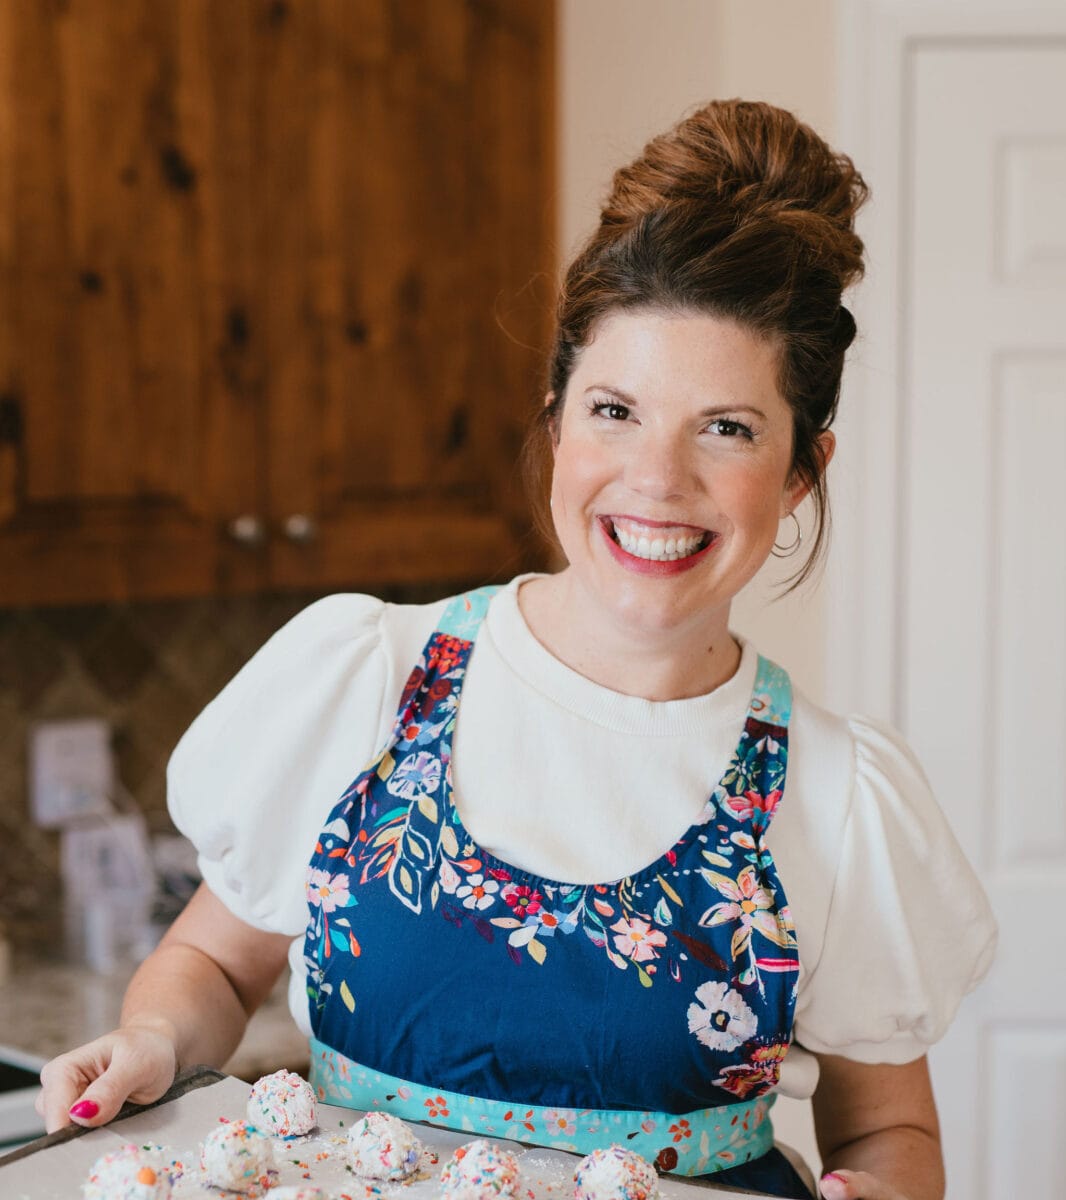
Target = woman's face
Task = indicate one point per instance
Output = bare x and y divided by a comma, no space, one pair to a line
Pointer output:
672,463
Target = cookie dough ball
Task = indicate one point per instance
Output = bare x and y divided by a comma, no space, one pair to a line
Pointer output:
615,1174
130,1173
479,1170
282,1105
381,1146
298,1193
237,1157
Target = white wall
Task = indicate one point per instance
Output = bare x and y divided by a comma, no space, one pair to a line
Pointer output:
629,69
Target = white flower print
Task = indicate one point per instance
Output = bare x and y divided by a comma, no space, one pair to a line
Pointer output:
449,877
560,1122
326,891
418,775
477,892
721,1019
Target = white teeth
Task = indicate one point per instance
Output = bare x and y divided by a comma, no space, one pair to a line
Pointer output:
659,549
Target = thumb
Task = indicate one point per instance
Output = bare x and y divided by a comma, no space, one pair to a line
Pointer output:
102,1099
855,1185
141,1068
66,1079
834,1185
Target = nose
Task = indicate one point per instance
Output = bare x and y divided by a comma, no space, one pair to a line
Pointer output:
660,468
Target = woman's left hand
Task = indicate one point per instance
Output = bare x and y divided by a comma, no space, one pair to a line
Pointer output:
856,1185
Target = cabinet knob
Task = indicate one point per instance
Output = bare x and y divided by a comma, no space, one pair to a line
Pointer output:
247,529
300,528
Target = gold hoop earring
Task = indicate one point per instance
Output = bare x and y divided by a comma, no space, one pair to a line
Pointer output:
793,546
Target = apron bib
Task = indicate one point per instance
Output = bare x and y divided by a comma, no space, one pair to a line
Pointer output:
448,986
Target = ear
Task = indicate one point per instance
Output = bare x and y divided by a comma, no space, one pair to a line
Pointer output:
796,492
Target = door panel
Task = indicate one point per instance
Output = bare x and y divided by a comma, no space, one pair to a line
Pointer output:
983,570
405,324
124,255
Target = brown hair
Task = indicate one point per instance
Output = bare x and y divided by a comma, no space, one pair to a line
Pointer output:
740,211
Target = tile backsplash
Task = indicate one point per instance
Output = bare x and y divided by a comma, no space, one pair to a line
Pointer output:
147,669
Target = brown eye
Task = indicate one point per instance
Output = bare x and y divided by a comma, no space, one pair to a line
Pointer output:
611,410
726,428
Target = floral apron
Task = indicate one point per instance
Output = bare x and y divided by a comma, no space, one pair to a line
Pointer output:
448,986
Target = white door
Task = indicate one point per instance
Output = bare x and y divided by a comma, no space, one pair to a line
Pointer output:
981,610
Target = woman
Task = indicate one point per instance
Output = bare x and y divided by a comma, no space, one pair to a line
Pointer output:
458,946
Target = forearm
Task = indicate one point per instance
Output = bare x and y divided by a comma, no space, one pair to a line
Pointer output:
188,1003
906,1158
182,992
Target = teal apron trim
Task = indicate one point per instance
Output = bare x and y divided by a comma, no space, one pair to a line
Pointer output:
702,1142
466,612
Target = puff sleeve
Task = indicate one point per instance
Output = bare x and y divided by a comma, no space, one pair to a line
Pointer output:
909,929
257,772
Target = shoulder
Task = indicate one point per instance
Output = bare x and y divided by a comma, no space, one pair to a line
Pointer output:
340,637
255,772
348,619
853,779
845,756
343,652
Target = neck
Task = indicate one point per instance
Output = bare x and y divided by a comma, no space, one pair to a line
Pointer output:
670,664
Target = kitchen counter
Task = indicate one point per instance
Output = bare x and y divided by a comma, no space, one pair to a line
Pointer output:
46,1008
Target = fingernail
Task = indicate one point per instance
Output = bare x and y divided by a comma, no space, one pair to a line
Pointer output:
85,1109
827,1175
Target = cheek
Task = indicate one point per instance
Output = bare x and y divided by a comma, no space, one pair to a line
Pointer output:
756,498
577,475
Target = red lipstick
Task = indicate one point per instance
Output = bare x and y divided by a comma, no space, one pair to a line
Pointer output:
648,566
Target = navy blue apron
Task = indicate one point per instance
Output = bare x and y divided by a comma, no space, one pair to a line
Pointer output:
446,985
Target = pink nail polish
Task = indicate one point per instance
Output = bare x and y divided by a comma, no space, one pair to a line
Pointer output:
85,1109
829,1175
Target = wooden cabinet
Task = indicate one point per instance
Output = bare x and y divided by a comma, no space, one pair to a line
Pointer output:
275,288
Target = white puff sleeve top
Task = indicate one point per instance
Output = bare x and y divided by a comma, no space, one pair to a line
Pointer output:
892,925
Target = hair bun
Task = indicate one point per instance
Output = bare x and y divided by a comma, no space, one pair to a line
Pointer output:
738,163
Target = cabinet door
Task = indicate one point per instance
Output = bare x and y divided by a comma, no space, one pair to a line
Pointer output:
265,277
130,431
408,268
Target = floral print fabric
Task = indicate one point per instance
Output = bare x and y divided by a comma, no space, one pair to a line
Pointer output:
670,990
697,1143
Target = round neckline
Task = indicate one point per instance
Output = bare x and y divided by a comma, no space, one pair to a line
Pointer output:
569,689
518,649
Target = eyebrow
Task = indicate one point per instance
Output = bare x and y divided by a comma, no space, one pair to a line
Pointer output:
714,411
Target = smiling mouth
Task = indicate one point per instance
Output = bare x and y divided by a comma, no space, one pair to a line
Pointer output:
667,543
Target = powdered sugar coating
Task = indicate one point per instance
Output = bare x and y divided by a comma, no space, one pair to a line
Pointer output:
237,1157
479,1170
298,1193
615,1173
130,1173
381,1146
282,1105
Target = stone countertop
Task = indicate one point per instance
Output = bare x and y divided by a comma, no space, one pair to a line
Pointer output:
49,1007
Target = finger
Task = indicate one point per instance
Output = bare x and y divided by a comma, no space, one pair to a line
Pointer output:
100,1100
62,1082
128,1076
833,1186
855,1185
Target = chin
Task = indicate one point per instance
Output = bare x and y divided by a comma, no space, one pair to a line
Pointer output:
641,610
